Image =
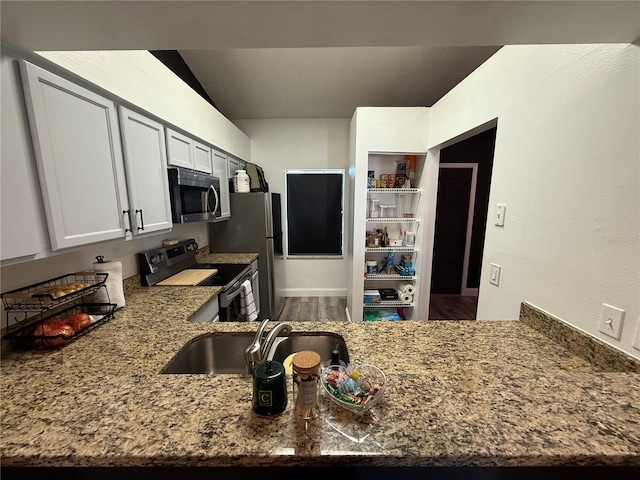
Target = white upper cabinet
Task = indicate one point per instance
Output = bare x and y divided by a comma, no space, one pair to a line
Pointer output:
79,156
220,170
202,157
184,151
235,164
19,201
146,166
179,149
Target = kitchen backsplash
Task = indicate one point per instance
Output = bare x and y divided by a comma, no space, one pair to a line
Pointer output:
602,356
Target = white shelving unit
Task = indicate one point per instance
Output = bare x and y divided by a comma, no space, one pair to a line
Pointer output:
403,203
381,139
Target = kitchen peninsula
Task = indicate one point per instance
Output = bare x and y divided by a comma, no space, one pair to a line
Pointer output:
460,394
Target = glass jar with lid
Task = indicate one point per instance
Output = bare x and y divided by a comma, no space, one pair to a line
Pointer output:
373,208
306,381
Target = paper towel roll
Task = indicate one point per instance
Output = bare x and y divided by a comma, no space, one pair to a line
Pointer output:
405,298
407,288
114,292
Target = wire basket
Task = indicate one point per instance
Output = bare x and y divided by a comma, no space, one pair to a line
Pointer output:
68,322
54,292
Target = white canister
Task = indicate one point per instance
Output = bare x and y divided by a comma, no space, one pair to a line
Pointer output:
372,267
241,182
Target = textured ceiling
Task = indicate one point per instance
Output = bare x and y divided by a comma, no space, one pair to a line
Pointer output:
275,59
329,82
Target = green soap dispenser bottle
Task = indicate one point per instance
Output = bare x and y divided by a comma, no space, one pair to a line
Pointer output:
269,388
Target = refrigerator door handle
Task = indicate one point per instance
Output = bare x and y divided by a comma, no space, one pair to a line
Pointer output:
267,215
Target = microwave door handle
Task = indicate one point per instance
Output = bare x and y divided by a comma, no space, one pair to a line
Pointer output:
215,194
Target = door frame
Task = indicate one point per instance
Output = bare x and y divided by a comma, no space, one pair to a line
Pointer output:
467,244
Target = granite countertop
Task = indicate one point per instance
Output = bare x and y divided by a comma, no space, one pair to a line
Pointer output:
466,393
205,257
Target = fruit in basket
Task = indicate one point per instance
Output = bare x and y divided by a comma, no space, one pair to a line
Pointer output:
77,321
56,331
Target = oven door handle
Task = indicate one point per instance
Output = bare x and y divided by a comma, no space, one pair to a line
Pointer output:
235,294
239,290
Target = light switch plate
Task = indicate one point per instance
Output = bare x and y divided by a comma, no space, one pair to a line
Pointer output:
494,274
611,319
500,210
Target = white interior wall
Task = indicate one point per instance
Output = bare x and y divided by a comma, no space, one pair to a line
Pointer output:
567,166
23,274
140,78
277,145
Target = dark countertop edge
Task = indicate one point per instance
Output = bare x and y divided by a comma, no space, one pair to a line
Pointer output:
350,461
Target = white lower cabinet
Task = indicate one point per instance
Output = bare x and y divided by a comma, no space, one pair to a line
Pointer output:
79,157
220,170
146,166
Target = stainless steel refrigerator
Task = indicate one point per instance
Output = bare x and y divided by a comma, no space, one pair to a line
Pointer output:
255,226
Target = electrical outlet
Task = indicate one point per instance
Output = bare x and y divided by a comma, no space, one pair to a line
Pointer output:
636,340
611,319
494,274
500,210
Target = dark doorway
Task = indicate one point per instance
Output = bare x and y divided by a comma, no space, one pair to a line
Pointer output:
454,190
474,150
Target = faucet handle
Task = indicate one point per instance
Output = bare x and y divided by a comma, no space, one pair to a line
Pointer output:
260,331
253,352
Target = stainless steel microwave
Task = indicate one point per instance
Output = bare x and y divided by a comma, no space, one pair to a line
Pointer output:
195,196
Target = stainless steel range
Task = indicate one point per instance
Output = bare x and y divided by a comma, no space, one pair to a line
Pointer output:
176,265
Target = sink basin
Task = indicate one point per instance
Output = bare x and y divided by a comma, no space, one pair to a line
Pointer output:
322,343
220,353
212,353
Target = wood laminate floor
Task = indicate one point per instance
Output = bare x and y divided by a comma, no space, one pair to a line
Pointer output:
332,309
453,307
314,309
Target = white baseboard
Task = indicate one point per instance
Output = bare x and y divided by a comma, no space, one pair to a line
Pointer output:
315,292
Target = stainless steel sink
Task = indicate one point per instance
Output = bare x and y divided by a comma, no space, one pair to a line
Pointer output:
211,353
322,343
223,352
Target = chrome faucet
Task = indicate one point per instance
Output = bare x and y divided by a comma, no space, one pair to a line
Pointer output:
258,350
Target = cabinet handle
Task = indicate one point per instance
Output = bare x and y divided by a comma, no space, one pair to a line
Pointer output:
215,194
141,220
128,212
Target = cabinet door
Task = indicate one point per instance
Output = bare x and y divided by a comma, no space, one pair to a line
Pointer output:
146,165
220,167
235,164
179,149
202,157
79,157
18,189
